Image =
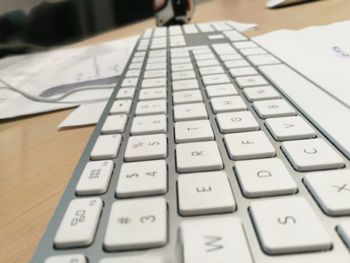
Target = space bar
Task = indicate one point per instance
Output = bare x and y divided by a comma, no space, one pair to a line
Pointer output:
326,113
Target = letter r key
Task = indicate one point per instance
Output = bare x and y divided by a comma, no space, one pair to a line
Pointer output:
198,157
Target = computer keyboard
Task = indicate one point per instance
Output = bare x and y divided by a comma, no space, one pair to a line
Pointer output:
210,149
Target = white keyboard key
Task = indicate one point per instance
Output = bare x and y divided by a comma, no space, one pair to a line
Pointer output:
221,90
160,73
196,50
187,112
114,124
160,32
133,73
203,49
143,45
121,106
175,30
242,121
231,103
137,59
251,81
146,147
183,75
198,157
130,82
253,51
200,49
190,29
180,55
205,28
238,63
142,179
312,154
215,239
223,49
136,224
137,65
243,71
151,107
149,124
183,60
157,53
152,94
141,48
125,93
186,84
261,93
244,44
290,128
106,147
144,41
215,79
216,36
177,39
155,66
259,60
211,70
193,131
95,178
331,189
208,62
76,258
264,177
273,108
181,67
288,225
154,82
191,96
204,56
157,60
344,231
228,57
249,145
179,50
140,54
204,193
79,224
177,43
235,36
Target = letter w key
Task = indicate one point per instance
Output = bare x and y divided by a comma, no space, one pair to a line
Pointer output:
215,239
212,243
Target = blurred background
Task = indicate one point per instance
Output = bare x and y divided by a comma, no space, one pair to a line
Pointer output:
35,24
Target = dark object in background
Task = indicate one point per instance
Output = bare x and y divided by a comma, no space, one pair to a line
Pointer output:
50,24
53,23
175,12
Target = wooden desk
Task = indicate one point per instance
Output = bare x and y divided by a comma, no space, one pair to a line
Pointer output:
36,160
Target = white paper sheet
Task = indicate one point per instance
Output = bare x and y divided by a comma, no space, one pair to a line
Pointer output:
242,27
320,53
85,114
51,74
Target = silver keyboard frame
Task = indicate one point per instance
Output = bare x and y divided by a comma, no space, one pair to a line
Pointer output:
172,252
